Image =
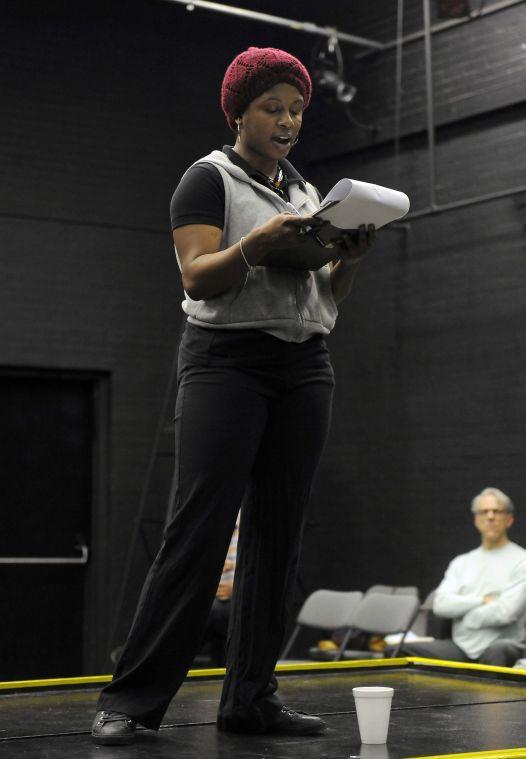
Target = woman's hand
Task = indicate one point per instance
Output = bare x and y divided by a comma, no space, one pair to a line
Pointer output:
353,246
351,249
286,231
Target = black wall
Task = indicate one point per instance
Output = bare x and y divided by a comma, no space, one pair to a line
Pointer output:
105,104
430,404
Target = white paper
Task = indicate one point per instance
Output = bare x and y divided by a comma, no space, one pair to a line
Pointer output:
359,203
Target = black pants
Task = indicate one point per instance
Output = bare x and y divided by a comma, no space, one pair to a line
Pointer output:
252,417
216,631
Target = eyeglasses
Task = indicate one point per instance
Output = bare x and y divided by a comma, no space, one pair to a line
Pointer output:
487,512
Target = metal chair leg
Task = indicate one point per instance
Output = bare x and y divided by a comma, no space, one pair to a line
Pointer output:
290,642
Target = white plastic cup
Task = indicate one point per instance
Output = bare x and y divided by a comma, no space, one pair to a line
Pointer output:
373,707
374,751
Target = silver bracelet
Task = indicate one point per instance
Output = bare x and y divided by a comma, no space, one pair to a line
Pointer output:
249,266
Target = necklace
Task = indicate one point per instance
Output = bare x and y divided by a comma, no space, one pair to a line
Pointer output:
278,183
277,180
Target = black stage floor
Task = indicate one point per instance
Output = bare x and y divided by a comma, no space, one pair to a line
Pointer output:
437,710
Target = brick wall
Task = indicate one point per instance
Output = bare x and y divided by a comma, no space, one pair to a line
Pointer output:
478,67
104,106
430,407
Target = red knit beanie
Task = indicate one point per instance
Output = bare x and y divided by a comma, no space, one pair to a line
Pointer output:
255,71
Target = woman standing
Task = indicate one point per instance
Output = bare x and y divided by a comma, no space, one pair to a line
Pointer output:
252,412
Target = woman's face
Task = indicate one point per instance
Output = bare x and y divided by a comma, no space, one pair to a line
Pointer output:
271,122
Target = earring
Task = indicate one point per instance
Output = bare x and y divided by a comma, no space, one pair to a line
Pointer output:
295,141
238,126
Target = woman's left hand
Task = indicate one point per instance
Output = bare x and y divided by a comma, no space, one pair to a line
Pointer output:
352,247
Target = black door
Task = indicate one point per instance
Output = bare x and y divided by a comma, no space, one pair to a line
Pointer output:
46,479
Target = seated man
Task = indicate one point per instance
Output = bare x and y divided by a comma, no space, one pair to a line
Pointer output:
483,592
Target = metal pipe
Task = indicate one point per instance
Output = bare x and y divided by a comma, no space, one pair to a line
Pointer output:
444,26
466,202
25,560
128,562
429,102
267,18
398,86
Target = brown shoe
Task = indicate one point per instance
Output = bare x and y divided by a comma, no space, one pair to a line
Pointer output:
113,729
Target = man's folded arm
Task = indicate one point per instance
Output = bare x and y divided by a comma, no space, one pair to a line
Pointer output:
448,601
508,606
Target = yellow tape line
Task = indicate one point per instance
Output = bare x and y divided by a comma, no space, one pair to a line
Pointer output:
420,661
55,682
349,664
417,662
505,753
198,673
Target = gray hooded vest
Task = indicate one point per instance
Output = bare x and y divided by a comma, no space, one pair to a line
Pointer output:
290,304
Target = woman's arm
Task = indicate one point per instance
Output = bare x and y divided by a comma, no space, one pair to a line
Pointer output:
197,246
208,271
344,271
342,278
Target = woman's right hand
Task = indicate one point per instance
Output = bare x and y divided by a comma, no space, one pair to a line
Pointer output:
208,272
285,231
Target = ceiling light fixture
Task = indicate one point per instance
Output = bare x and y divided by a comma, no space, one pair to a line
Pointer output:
328,71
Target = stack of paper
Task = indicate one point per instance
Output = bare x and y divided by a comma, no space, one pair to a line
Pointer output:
348,205
351,203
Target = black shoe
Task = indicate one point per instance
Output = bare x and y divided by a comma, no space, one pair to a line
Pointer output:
289,722
285,722
112,729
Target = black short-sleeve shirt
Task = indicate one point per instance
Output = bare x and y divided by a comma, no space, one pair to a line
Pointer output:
199,198
200,195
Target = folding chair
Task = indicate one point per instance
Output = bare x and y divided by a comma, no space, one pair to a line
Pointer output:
381,614
397,590
325,610
428,603
433,625
421,621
